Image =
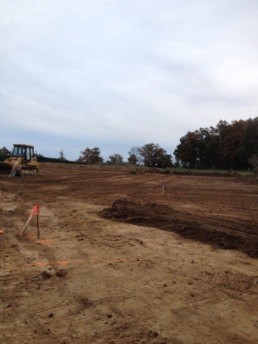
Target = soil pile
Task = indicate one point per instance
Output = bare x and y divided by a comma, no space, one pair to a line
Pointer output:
187,225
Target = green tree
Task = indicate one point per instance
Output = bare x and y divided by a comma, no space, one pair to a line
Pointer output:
90,156
212,144
153,155
227,146
222,130
4,151
61,156
249,141
132,159
187,153
232,141
253,160
115,159
135,156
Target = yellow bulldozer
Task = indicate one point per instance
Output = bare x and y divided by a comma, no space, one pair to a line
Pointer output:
22,161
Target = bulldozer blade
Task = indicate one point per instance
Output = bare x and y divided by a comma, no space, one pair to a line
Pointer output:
13,172
5,169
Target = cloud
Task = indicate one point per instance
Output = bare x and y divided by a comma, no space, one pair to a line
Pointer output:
119,74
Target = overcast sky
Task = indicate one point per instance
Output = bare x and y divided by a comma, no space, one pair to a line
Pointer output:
120,73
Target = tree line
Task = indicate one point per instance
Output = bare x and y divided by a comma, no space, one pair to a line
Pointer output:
227,146
150,155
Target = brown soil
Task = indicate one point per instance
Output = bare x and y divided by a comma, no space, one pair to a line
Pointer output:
174,268
231,234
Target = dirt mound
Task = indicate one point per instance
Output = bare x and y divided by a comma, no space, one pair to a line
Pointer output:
188,226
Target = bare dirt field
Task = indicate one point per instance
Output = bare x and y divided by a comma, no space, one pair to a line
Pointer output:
119,261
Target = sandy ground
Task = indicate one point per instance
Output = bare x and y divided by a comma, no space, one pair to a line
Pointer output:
94,279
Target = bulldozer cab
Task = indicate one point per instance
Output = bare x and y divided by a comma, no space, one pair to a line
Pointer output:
26,152
22,161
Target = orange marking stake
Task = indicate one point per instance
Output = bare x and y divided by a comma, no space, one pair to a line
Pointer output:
28,221
38,226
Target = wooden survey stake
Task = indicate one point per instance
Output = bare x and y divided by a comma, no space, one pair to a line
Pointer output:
38,224
28,221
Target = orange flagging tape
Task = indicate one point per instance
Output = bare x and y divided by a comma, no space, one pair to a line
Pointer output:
89,261
47,242
34,209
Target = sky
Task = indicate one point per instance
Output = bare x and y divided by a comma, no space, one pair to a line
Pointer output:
117,74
